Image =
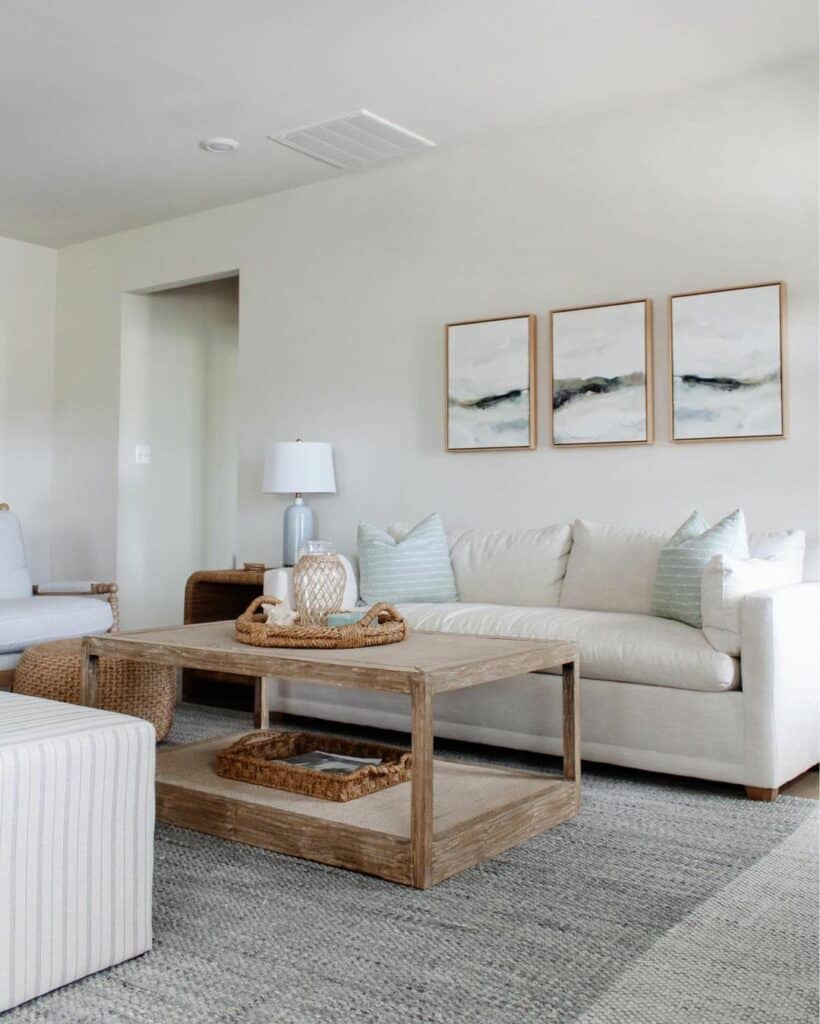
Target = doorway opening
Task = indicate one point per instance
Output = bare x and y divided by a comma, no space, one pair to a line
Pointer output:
178,445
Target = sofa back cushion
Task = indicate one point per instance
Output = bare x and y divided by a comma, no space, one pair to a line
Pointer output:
15,580
611,568
512,567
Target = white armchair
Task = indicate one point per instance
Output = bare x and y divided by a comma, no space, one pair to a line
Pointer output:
34,614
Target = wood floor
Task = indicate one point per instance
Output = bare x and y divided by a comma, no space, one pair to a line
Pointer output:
807,786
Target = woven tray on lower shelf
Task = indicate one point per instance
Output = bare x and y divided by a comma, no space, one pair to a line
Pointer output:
254,759
381,624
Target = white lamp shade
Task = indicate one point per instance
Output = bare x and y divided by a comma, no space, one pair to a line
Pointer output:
299,467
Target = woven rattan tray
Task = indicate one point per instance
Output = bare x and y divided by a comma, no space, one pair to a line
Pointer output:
253,759
382,624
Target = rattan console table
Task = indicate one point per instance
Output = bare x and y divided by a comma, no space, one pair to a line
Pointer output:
455,814
213,595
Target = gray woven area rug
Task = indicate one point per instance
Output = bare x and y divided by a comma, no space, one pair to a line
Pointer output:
663,901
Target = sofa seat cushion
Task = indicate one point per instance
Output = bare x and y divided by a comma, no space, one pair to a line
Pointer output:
625,647
35,620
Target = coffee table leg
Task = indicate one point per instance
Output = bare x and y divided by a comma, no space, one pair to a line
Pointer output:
261,701
572,720
88,678
421,809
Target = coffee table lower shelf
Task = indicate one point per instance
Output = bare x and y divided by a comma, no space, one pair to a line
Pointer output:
478,812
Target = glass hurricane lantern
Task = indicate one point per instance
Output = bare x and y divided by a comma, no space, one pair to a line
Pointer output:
319,579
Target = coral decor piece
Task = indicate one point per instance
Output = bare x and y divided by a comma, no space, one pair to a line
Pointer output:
279,615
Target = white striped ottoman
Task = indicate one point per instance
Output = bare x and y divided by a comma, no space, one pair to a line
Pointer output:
76,842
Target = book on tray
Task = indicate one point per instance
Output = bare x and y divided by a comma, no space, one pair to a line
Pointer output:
331,764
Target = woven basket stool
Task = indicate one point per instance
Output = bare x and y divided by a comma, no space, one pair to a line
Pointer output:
136,688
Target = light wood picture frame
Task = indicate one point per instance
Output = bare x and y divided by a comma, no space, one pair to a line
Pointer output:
601,375
726,359
490,384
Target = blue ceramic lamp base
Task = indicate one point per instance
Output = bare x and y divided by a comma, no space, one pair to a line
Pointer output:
298,527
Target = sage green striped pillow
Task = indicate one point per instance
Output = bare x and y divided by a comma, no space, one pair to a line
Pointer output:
414,569
683,559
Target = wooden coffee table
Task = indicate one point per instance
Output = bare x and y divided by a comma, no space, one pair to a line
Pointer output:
457,814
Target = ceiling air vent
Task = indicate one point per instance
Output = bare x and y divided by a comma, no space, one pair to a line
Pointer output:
354,140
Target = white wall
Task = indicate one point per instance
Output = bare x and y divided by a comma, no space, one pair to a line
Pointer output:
28,276
178,383
345,287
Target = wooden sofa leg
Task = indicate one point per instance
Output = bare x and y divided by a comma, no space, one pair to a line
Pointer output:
759,793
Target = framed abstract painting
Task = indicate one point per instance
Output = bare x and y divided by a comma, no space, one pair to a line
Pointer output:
491,384
727,363
602,374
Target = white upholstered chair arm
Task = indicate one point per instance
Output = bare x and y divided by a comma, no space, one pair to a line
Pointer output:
279,583
75,587
89,588
780,673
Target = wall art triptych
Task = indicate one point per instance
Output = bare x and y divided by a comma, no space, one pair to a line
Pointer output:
727,363
726,368
602,374
491,384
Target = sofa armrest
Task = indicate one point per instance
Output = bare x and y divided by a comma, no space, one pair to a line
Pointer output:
83,588
279,583
780,678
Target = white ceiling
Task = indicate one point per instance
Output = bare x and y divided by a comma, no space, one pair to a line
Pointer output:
102,103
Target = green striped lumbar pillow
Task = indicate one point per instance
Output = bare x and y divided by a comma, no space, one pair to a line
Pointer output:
414,569
683,559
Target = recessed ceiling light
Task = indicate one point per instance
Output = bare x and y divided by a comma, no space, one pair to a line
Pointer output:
219,145
354,140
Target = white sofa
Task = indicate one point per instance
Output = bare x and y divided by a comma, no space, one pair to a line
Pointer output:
655,694
76,843
31,614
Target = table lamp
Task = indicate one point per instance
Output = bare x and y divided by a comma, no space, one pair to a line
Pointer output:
298,467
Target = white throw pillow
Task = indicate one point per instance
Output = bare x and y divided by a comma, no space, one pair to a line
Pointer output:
786,546
611,568
512,567
725,582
